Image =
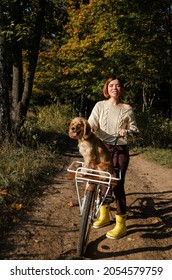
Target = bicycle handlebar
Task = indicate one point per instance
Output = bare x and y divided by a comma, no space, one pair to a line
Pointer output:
112,141
114,138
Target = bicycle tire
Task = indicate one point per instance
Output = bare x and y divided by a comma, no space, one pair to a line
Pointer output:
86,223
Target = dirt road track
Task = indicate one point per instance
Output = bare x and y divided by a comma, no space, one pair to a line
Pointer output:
50,229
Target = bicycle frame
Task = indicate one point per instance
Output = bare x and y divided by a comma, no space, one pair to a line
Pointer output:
92,196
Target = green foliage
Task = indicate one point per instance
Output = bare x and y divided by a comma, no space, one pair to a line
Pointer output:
24,168
20,19
128,38
53,122
43,127
155,130
21,164
100,38
54,117
46,125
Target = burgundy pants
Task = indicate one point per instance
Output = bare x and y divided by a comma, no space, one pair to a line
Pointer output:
120,160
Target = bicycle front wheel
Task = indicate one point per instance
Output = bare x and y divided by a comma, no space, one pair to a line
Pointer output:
86,222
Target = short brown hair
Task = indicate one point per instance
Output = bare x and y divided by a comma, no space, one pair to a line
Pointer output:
105,87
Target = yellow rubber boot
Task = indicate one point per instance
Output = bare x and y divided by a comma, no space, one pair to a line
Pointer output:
104,218
119,229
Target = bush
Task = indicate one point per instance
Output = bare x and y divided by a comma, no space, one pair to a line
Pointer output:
155,130
47,125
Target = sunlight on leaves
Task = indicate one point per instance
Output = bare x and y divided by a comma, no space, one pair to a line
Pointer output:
18,206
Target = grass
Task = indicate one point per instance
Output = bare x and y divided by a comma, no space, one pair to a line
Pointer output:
160,156
24,173
27,168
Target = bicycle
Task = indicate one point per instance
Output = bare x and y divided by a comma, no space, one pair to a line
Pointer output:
90,198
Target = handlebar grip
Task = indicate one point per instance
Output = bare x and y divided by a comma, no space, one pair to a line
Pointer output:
132,133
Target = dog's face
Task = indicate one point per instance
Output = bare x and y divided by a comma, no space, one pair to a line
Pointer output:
79,128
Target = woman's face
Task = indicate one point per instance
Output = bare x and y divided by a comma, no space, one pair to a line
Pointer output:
114,89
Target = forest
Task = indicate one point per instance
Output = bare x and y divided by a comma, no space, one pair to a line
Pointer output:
62,51
55,56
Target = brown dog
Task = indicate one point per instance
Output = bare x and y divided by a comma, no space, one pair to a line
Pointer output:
93,150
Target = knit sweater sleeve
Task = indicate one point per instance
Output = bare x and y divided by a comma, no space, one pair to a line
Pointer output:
94,117
132,125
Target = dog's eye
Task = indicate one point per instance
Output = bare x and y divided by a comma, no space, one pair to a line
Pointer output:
79,125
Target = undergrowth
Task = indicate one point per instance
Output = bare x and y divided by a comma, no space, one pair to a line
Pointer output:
27,167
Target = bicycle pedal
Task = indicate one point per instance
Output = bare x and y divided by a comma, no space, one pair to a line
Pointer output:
109,199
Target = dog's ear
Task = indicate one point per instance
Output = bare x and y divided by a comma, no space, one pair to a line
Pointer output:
87,129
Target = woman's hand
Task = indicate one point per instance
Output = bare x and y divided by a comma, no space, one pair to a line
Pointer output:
123,132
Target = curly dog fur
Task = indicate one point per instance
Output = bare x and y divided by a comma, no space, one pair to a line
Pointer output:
93,150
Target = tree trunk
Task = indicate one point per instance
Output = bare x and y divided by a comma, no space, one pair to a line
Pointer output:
21,98
148,99
4,98
144,104
17,86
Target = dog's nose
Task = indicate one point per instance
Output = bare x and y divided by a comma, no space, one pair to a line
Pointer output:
73,128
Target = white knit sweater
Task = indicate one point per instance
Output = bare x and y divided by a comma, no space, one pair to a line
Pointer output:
107,120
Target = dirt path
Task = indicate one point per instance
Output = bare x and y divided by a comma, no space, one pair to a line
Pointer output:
50,229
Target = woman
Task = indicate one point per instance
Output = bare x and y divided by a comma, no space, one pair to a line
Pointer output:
109,118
